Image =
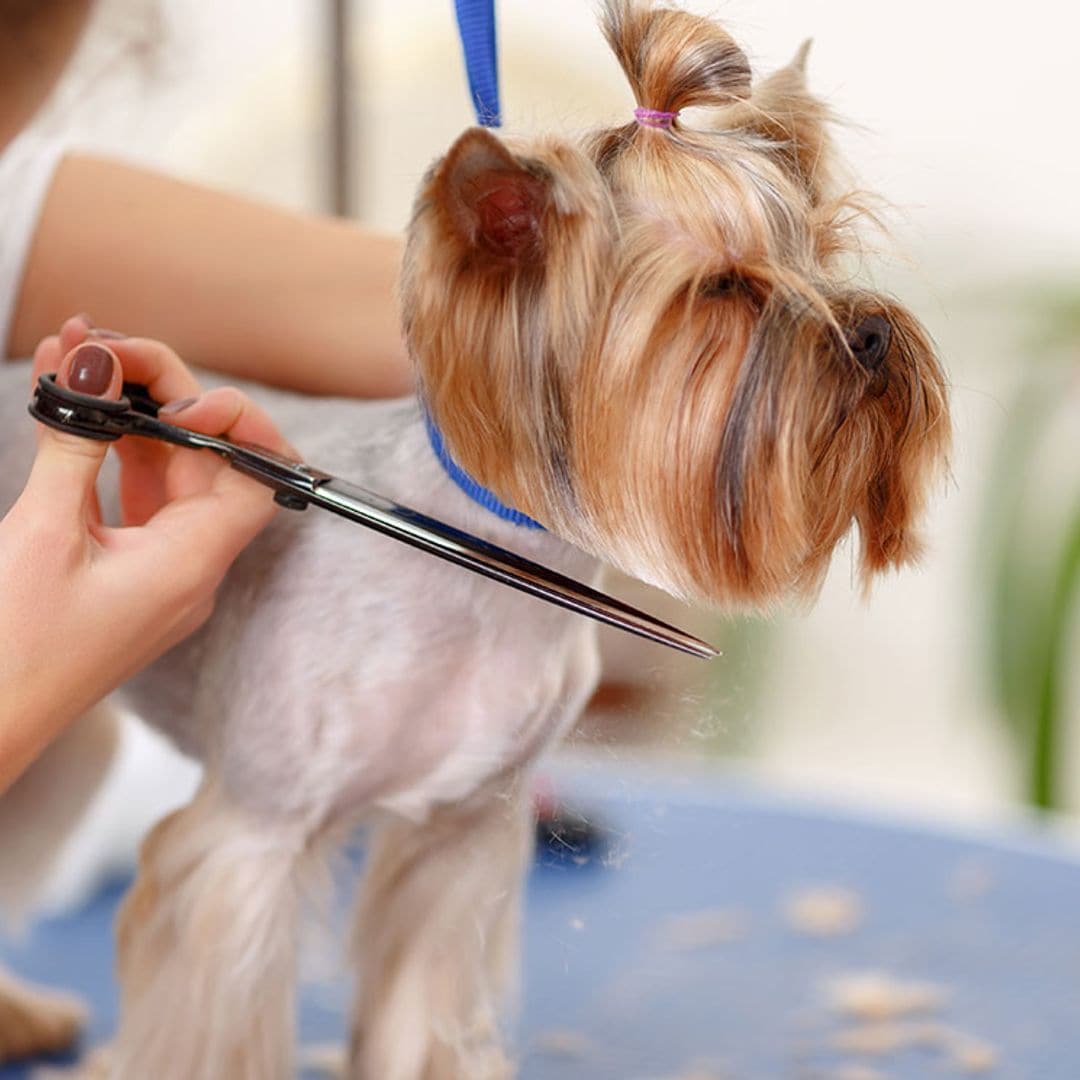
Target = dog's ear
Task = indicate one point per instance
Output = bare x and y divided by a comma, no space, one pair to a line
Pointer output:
782,110
495,202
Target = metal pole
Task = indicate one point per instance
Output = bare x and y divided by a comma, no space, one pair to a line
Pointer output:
341,166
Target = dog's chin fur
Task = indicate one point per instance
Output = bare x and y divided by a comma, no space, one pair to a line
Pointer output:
650,341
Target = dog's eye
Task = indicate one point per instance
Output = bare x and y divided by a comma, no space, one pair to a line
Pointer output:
720,285
734,286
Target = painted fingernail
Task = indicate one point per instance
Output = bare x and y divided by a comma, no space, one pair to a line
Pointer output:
91,370
107,335
177,406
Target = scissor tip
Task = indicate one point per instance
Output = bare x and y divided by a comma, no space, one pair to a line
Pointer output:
696,647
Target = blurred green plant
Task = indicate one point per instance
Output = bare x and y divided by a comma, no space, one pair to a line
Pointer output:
735,684
1034,571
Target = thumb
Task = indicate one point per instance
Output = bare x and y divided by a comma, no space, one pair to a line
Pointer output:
66,466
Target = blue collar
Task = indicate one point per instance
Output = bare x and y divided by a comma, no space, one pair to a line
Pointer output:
477,492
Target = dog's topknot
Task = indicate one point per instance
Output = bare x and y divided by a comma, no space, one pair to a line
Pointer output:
674,59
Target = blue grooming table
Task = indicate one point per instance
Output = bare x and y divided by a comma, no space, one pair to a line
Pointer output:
992,919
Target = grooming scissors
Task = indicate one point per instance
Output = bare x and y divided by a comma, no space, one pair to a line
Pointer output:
297,485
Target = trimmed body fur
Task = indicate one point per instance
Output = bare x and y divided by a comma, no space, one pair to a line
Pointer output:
346,679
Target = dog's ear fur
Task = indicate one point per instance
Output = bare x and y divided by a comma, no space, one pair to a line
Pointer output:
782,110
496,204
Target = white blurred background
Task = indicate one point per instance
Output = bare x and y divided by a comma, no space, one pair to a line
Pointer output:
963,119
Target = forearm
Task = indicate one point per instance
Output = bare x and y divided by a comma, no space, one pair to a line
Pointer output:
299,301
37,710
49,673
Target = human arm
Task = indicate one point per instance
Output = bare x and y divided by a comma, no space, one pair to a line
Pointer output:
302,302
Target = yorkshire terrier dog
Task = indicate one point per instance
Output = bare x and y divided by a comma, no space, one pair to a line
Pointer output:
647,340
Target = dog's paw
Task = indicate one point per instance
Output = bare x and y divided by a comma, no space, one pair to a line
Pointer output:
95,1066
35,1021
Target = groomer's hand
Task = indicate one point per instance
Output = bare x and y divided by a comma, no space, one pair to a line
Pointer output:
83,606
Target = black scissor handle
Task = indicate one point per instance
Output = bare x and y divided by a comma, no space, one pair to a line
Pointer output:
136,413
81,414
139,398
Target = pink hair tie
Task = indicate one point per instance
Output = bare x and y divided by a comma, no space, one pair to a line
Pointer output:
654,118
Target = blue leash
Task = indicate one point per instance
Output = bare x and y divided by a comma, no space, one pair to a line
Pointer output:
476,23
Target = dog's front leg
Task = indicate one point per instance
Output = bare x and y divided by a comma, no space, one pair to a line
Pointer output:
436,941
206,947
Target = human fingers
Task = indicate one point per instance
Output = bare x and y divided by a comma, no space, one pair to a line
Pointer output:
51,351
74,332
66,467
144,468
219,511
228,412
197,534
144,463
153,364
47,356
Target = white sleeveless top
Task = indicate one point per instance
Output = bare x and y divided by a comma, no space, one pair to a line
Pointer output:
27,166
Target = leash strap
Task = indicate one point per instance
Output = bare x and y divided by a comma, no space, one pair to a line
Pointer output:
476,24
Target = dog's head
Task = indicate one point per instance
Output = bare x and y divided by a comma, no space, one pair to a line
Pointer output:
650,339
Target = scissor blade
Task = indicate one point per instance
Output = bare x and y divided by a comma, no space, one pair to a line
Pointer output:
438,538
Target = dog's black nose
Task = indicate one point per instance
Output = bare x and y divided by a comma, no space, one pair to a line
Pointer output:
869,341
